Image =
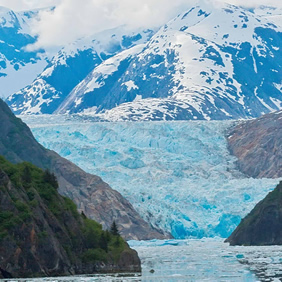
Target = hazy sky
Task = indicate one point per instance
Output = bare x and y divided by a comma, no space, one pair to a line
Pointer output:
33,4
28,4
77,18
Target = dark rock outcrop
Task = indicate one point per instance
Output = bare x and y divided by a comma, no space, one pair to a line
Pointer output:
263,225
91,195
258,146
42,233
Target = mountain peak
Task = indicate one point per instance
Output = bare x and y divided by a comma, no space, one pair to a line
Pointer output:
8,18
211,62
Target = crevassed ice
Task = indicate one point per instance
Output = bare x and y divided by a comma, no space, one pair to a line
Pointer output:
178,175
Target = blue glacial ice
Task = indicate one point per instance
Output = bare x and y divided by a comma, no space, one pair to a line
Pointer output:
178,175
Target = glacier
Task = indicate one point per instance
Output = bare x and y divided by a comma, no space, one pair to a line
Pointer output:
178,175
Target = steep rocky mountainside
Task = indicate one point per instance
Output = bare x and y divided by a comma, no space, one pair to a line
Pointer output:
70,66
18,67
263,225
47,79
89,192
210,62
42,233
258,146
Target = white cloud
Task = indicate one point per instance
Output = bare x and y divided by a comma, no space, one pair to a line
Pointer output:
73,19
19,5
256,3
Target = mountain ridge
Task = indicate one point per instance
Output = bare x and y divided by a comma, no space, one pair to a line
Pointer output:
211,62
70,66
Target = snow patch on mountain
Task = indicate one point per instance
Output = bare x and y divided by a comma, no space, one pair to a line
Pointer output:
130,85
102,72
47,95
18,67
207,63
72,64
210,62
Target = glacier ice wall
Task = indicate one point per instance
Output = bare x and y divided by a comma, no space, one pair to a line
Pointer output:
178,175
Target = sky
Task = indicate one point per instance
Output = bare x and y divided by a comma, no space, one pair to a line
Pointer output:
73,19
19,5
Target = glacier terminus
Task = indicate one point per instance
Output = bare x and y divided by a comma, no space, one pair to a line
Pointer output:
178,175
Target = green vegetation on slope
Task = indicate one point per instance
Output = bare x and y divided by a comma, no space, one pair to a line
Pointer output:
42,233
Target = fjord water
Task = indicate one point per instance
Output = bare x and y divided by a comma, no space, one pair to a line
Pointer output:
195,260
191,260
208,260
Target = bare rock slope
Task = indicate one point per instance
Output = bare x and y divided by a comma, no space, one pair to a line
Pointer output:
258,146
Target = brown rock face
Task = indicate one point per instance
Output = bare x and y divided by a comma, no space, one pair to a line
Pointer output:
100,202
89,192
258,146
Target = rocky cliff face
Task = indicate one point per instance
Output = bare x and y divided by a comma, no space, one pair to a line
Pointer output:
42,234
258,146
263,225
89,192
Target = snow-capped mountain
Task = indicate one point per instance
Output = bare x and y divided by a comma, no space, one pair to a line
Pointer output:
214,61
17,66
211,62
70,66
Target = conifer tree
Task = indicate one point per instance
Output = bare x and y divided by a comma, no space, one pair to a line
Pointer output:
26,175
114,230
103,242
50,178
83,215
